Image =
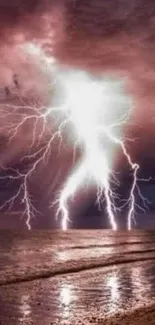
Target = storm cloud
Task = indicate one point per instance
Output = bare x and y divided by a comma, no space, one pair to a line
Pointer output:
102,36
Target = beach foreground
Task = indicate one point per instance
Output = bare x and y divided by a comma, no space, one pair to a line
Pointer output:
77,277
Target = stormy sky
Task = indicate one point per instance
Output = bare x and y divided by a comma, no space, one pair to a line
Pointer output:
111,36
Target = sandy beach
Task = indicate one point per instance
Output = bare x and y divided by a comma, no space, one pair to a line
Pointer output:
80,277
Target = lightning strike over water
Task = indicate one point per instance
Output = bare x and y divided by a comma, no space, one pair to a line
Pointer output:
91,113
98,109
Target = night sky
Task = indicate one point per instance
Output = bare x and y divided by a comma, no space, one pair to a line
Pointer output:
111,36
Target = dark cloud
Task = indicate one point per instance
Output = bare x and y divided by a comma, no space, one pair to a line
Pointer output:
97,34
16,12
111,36
23,20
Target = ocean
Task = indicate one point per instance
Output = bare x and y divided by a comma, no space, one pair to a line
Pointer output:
51,277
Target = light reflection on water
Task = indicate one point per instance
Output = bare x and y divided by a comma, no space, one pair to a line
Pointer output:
112,283
140,281
85,253
25,308
106,290
66,300
114,291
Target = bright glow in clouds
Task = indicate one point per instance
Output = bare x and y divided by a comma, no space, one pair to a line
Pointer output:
95,110
92,112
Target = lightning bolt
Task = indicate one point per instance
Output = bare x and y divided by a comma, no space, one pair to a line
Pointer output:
98,111
91,112
40,131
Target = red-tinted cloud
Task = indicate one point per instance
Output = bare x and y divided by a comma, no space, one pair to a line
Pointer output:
111,36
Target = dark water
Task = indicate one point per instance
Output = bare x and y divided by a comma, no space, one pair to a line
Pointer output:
52,277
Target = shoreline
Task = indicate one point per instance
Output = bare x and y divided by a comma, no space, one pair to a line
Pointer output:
144,315
86,291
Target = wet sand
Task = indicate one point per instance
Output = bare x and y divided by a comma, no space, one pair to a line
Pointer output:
81,277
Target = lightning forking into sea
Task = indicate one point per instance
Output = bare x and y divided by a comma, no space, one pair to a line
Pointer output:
94,129
92,112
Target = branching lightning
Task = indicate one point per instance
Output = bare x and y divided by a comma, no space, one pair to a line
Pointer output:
37,157
98,111
92,112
